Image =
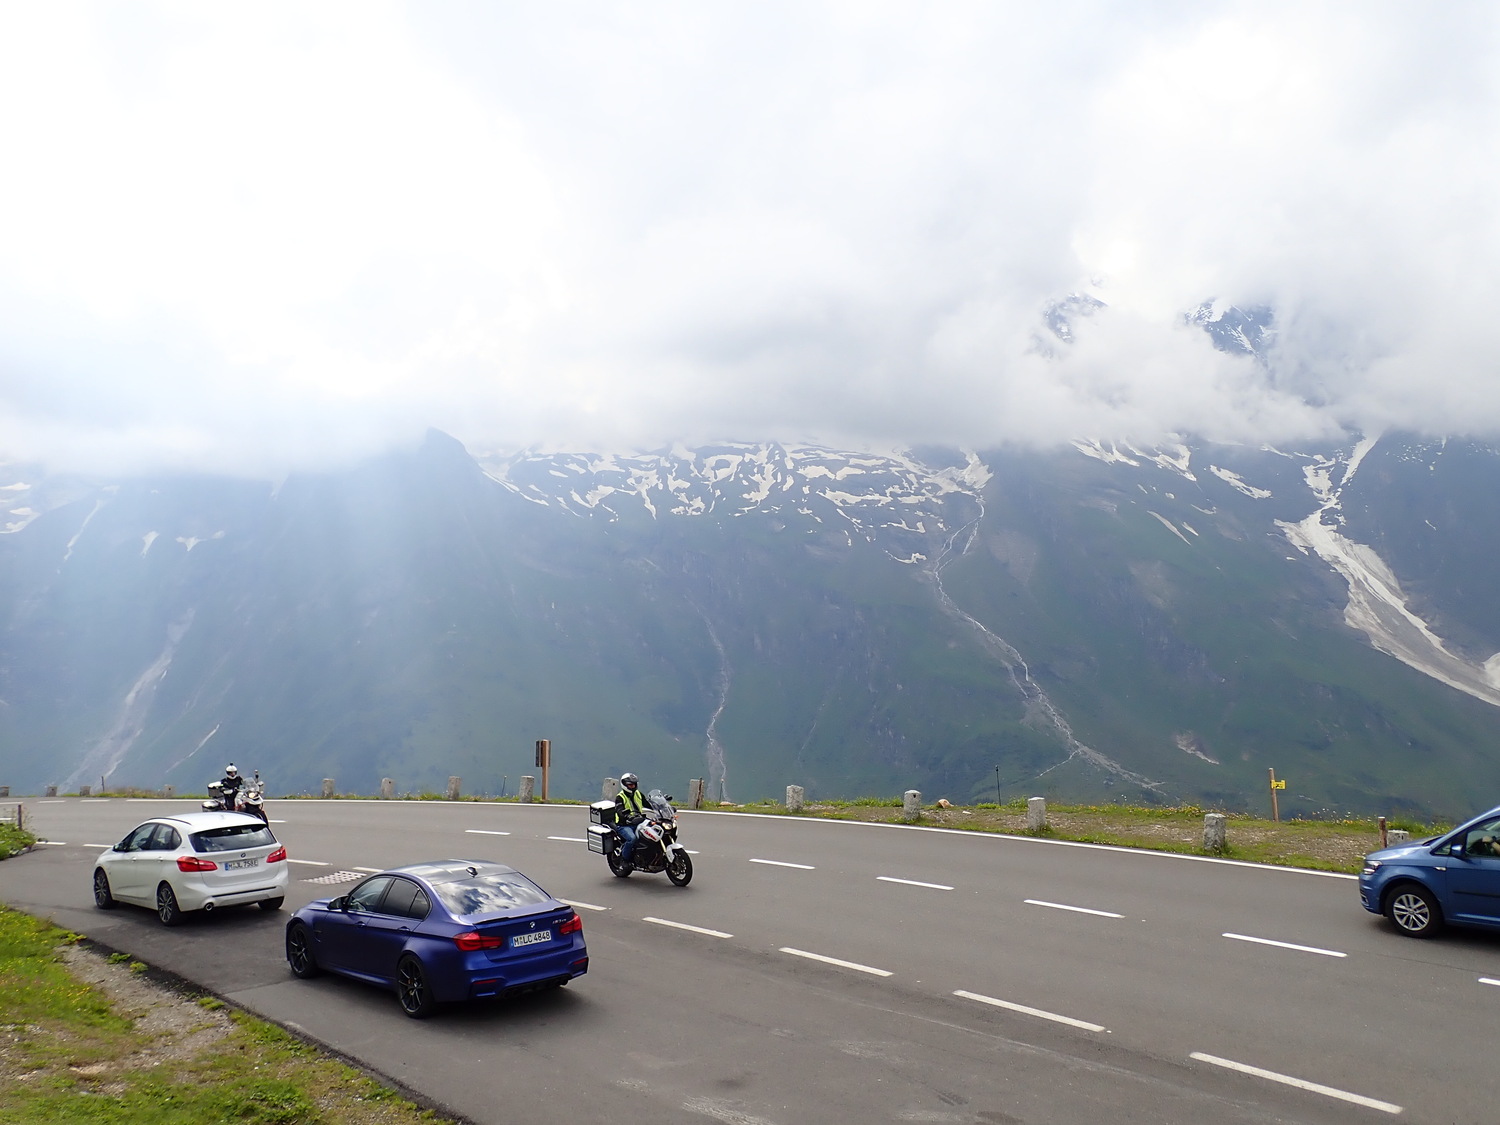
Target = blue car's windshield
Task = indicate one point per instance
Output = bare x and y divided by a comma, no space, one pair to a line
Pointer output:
489,894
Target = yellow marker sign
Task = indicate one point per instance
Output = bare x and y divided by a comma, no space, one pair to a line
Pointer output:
1278,785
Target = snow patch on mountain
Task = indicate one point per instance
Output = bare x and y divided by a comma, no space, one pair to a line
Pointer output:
1235,481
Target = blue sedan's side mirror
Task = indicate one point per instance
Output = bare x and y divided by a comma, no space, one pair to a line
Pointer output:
336,903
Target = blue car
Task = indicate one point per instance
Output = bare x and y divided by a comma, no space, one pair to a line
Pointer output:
1454,878
439,932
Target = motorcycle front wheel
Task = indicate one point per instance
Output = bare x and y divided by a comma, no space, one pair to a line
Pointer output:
680,870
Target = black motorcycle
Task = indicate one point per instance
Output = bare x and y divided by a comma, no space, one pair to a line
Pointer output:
250,799
656,847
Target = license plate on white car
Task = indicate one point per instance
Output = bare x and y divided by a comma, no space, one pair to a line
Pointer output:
232,864
531,939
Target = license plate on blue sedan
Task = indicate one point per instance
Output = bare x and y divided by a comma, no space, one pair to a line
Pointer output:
232,864
531,939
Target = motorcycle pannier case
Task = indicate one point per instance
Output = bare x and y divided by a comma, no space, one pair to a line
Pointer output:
602,812
601,837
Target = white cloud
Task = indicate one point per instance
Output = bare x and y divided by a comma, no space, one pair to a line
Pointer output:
248,238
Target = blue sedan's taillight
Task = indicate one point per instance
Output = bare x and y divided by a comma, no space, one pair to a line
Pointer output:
471,940
574,925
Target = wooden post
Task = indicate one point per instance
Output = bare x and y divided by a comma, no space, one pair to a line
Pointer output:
1275,809
1384,839
544,761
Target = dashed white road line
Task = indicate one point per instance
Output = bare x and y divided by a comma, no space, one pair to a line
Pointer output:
835,961
310,862
1038,1012
1074,909
569,839
492,832
1488,980
54,843
106,847
913,883
783,863
371,870
573,902
1299,1083
50,801
1286,945
685,926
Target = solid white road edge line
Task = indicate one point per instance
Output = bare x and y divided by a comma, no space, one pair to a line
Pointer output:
487,832
834,961
1299,1083
310,862
781,863
573,902
685,926
569,839
1074,909
913,883
1286,945
1038,1012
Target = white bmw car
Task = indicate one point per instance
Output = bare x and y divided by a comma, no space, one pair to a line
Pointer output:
196,861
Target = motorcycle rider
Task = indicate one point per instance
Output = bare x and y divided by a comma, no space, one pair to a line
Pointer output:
630,810
230,787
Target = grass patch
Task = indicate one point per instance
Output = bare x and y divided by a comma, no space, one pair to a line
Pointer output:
74,1051
13,841
1319,845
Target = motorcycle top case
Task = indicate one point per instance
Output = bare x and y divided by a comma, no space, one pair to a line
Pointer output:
602,812
601,837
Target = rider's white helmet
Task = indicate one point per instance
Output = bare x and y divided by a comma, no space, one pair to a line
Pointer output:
230,770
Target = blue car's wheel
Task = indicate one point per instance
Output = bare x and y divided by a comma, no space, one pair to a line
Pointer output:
299,954
1414,911
412,989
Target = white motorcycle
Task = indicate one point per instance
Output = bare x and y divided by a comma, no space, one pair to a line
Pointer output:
656,847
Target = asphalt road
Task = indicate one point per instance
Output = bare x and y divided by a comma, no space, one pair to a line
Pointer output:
818,971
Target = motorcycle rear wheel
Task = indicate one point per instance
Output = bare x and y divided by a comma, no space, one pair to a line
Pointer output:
680,870
620,868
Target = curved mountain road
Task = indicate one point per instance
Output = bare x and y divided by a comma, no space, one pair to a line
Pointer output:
819,971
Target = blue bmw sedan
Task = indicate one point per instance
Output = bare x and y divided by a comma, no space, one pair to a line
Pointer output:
1453,878
439,932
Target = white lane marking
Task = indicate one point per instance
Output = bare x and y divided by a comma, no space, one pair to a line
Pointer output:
913,883
371,870
54,843
92,800
52,802
273,820
1299,1083
1487,980
310,862
1074,909
573,902
1038,1012
569,839
106,847
685,926
780,863
834,961
1286,945
492,832
723,1111
1119,848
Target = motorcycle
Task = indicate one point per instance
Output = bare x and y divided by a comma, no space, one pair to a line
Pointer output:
250,799
656,846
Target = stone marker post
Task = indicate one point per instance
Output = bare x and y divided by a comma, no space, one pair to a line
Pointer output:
1399,836
4,790
169,791
1214,835
51,791
911,803
84,790
327,788
387,788
454,784
794,795
1036,814
695,792
609,790
528,788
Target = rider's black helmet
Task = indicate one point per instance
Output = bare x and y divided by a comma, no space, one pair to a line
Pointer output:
629,780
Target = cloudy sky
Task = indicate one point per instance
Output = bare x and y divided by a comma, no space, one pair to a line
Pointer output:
256,237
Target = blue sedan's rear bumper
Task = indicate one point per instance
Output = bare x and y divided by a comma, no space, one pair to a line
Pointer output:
475,976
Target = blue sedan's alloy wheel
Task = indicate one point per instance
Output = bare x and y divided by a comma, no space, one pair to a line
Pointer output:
412,990
299,954
1414,911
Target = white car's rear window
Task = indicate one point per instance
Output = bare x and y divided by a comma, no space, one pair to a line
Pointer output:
232,838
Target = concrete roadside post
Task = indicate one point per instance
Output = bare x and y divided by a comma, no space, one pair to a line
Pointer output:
169,791
327,788
4,790
911,804
528,788
610,790
1399,836
50,791
1036,814
387,788
454,785
1215,838
84,790
794,795
695,792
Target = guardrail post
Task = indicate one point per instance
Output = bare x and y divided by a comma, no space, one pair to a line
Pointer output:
695,792
327,788
911,803
609,790
1214,836
454,784
528,788
1036,814
794,794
